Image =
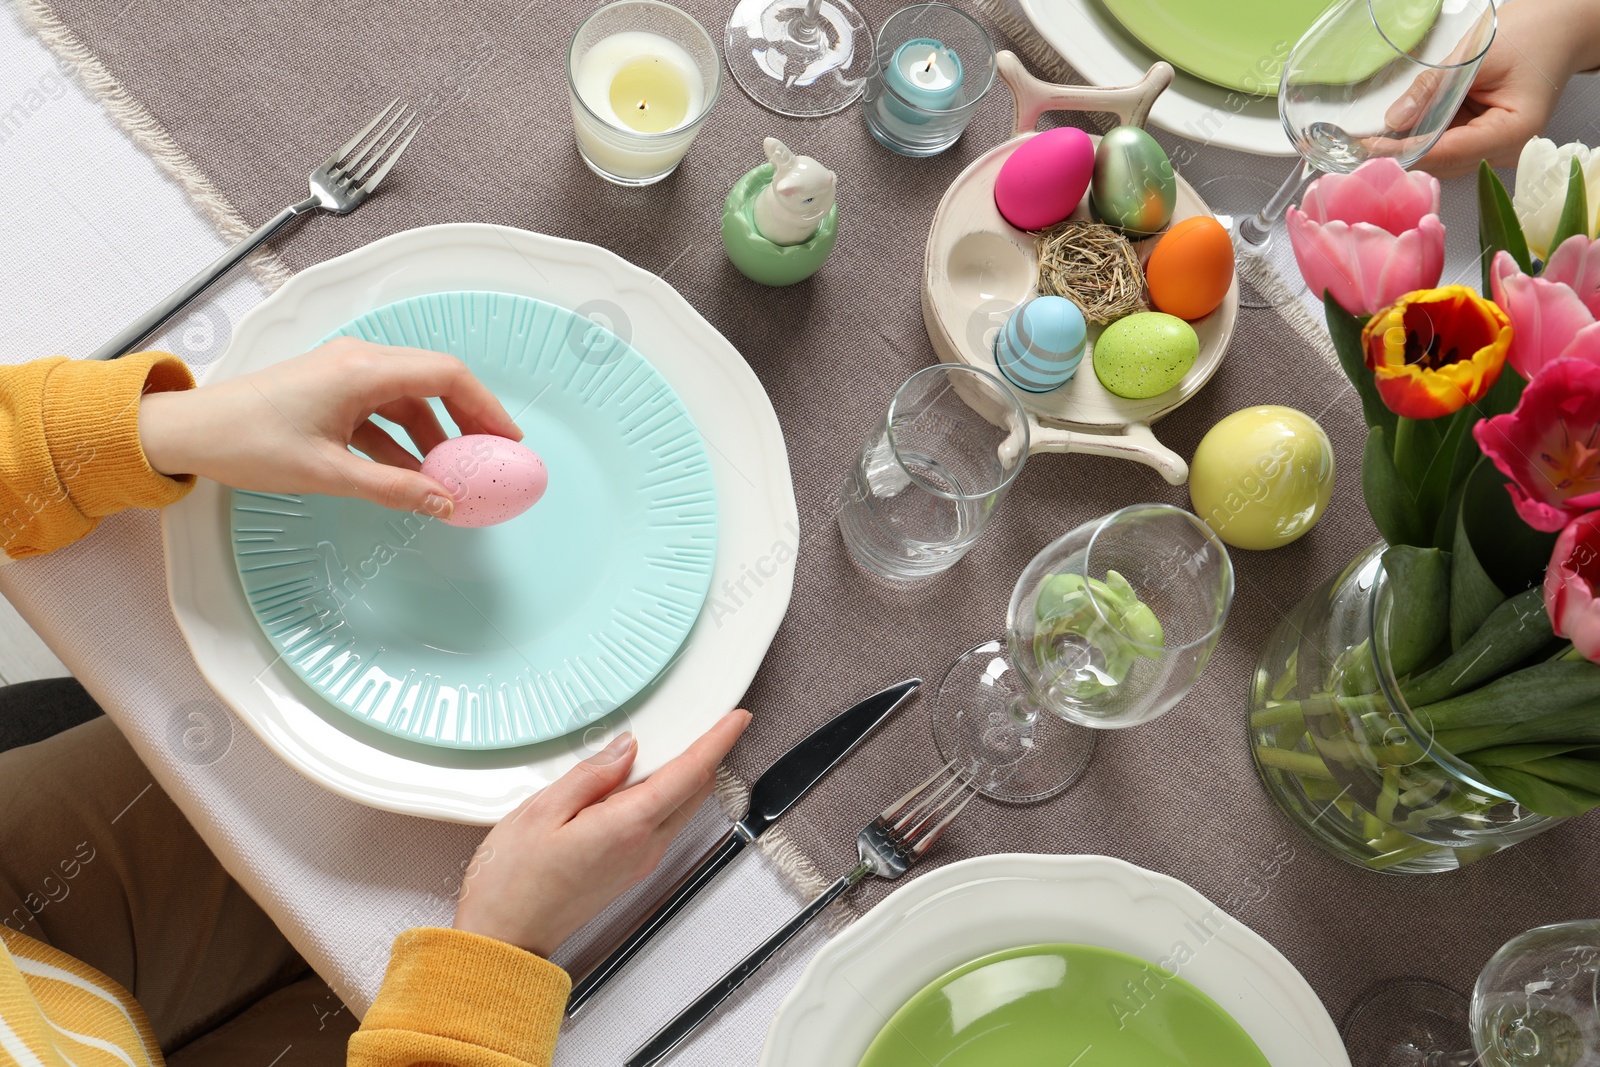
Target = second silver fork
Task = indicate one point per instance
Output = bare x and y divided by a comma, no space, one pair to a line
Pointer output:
339,186
888,846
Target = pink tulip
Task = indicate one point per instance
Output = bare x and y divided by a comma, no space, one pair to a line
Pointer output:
1553,316
1369,237
1570,583
1550,445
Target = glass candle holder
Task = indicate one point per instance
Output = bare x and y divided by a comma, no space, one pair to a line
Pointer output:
932,66
642,76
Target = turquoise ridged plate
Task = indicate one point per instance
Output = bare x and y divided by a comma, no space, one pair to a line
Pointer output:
504,635
1059,1006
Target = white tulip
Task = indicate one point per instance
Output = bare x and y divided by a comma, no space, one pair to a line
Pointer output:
1541,189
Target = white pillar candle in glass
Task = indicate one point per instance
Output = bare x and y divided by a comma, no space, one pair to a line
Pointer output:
643,75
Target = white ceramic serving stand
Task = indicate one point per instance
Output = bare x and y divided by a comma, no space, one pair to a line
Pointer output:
979,267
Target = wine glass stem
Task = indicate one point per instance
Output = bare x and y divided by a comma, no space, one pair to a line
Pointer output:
1255,230
808,25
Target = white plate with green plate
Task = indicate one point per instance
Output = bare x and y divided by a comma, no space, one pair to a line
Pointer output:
960,913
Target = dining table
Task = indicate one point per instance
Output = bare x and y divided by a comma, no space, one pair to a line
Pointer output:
138,138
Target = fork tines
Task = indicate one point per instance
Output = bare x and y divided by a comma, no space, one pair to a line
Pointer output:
365,159
917,823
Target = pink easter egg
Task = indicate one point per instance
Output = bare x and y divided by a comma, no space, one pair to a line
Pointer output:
492,479
1042,181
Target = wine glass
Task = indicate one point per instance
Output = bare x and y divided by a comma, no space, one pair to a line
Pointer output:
1536,1004
1109,627
1370,78
801,58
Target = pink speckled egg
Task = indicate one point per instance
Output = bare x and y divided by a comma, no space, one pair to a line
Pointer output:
1042,181
492,479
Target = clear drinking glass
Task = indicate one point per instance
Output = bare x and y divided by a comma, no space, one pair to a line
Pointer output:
801,58
1108,628
1370,78
931,474
609,52
1536,1004
951,64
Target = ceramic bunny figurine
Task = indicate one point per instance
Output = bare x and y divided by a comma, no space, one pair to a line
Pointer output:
790,209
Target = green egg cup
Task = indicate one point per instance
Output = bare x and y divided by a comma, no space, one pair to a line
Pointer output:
758,258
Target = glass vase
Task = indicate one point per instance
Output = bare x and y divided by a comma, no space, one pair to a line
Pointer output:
1343,756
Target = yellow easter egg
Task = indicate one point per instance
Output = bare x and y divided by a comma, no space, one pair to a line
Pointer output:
1262,477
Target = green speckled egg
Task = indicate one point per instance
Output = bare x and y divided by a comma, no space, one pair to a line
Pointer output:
1144,355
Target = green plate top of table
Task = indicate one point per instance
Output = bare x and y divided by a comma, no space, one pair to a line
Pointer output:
1046,1005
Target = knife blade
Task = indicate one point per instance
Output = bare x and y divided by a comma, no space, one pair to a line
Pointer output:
775,792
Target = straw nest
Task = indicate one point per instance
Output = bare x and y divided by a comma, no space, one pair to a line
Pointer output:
1093,266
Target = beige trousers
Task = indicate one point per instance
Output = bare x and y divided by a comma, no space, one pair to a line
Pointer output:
96,861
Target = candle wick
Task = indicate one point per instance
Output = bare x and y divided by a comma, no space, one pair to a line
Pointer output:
644,105
932,57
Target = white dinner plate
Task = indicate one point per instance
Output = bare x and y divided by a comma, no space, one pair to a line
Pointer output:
953,915
758,525
1098,47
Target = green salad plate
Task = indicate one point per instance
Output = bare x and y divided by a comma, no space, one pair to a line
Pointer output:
1242,44
1061,1006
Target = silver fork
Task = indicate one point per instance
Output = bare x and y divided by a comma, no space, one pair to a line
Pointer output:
340,185
888,846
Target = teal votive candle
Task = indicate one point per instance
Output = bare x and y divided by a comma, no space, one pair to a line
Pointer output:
932,66
925,73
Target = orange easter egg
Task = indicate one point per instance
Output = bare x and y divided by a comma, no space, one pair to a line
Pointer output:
1191,268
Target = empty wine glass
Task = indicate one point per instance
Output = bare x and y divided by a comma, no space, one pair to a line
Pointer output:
1370,78
1109,627
1536,1004
801,58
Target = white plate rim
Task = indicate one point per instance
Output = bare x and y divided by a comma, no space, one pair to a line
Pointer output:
886,951
758,532
1091,40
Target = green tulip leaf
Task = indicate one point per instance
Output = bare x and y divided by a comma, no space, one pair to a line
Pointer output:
1513,554
1539,795
1345,330
1498,228
1473,594
1438,479
1393,509
1574,221
1419,579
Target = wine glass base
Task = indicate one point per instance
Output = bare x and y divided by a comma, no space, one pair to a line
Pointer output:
976,725
1268,275
798,70
1409,1023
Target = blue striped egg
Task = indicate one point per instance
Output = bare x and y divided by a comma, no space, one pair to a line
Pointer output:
1042,344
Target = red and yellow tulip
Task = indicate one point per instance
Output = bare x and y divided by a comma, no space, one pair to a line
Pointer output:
1434,351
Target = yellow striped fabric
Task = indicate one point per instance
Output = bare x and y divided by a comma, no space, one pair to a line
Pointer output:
58,1012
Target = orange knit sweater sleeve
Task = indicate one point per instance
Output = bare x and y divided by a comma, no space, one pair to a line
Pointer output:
69,447
461,1000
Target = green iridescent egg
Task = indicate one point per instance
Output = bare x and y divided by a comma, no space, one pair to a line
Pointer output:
1134,187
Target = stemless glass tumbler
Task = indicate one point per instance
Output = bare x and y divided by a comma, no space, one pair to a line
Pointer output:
932,472
1109,627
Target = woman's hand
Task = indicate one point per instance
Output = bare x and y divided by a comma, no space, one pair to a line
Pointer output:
572,848
1538,46
289,428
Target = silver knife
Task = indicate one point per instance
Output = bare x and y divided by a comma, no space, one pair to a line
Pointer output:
774,793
